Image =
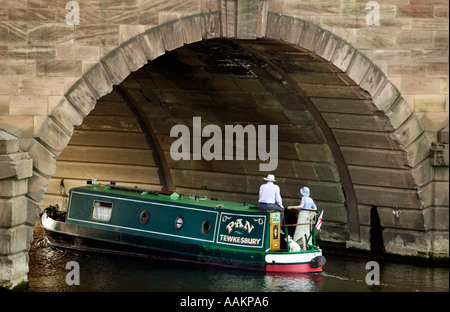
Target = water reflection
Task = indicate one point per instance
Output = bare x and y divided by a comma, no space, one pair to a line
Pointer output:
292,282
109,272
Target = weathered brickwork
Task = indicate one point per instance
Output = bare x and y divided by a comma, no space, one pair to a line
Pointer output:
393,57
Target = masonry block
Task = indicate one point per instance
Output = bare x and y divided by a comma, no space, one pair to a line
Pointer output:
327,44
13,211
418,150
21,126
82,97
373,80
116,66
58,68
43,159
361,122
210,26
358,67
301,134
440,215
310,36
11,187
373,38
66,115
228,17
429,103
99,79
15,166
440,241
394,217
247,14
327,172
327,191
443,135
333,232
387,96
33,211
333,212
343,55
53,136
374,157
364,214
398,113
206,180
291,30
152,43
192,29
14,239
304,170
409,131
8,143
172,35
275,25
406,242
314,152
134,55
423,173
388,197
13,270
37,186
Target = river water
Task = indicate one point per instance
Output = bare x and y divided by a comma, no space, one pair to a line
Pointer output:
100,272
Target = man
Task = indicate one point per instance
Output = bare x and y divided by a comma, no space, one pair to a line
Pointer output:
270,198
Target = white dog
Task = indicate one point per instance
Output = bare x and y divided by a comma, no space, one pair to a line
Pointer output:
293,246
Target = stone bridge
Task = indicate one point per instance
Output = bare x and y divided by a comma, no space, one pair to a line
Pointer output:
358,90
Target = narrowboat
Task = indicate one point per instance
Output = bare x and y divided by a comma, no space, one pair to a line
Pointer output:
168,225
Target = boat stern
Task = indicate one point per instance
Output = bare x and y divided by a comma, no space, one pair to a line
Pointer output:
295,262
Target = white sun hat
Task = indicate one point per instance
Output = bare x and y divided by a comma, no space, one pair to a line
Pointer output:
271,178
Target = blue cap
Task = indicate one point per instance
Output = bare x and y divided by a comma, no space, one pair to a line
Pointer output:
305,191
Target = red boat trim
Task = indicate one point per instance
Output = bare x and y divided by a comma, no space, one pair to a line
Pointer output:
292,268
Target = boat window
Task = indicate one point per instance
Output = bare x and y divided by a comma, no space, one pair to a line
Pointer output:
179,221
206,227
101,211
145,216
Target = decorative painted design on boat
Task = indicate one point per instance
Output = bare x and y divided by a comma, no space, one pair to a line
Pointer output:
241,230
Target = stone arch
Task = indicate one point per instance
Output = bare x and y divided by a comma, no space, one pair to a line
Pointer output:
390,110
112,69
404,127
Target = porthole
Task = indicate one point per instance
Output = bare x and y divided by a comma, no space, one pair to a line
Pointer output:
145,216
206,227
179,222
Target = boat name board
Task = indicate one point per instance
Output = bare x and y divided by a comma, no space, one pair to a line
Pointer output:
241,230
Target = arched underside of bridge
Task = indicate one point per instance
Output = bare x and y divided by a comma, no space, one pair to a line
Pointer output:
343,128
332,135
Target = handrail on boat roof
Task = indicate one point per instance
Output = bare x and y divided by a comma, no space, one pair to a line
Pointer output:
131,189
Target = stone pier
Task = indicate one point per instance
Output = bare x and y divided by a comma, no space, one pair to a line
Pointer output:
16,219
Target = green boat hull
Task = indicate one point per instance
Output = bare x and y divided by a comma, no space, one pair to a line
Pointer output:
169,226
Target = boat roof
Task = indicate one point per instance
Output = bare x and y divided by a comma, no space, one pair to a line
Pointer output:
168,196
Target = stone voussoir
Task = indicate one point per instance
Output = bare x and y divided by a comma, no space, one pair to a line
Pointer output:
116,66
82,97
